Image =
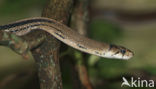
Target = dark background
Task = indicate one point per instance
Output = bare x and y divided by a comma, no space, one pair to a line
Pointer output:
130,23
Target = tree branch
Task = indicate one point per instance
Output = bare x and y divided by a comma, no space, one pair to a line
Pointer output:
47,54
79,22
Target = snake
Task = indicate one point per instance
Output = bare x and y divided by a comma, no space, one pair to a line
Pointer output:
67,36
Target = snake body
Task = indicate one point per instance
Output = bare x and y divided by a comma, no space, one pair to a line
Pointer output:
67,36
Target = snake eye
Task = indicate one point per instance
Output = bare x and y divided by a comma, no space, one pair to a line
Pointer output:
123,51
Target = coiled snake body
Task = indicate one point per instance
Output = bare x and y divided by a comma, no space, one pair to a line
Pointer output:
68,36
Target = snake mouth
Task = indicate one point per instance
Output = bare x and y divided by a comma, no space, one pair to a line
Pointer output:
113,55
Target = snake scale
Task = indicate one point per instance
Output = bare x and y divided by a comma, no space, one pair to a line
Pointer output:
67,36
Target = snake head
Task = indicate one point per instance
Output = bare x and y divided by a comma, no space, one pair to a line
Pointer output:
119,52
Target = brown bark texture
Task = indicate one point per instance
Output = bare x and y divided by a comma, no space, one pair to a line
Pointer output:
47,53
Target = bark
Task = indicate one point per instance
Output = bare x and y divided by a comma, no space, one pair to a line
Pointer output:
47,54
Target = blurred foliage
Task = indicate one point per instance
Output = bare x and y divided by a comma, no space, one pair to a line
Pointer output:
129,6
9,7
106,68
150,70
104,30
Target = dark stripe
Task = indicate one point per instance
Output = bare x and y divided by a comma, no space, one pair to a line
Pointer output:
30,26
24,28
24,22
80,46
112,46
60,35
57,29
96,52
117,52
